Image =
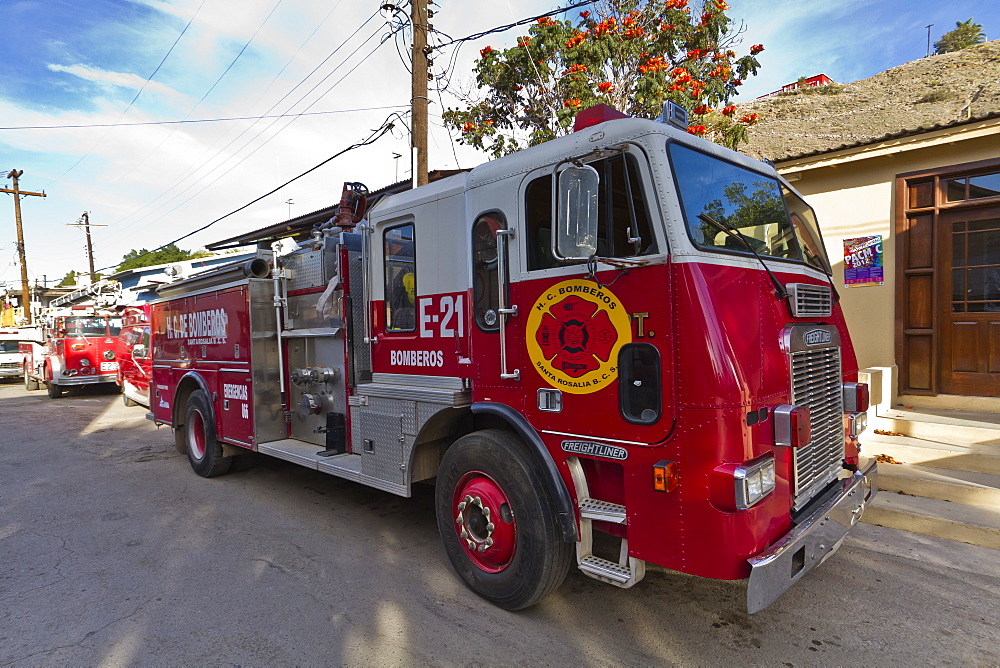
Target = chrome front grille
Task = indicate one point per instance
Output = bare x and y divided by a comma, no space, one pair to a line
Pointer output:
9,365
810,301
817,383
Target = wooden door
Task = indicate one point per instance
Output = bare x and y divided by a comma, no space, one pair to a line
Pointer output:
969,299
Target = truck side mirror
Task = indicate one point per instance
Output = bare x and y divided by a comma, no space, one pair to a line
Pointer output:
576,230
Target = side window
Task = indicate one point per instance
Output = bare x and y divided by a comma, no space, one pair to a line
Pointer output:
485,270
639,383
143,344
624,218
400,278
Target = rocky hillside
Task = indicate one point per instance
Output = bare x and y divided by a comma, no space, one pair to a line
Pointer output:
919,94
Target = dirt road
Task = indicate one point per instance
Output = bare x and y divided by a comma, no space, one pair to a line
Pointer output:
114,552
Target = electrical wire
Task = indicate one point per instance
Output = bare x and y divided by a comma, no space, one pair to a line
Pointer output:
198,120
206,166
222,76
377,134
508,26
244,158
142,88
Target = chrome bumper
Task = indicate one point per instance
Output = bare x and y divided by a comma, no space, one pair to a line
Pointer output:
69,381
811,541
10,373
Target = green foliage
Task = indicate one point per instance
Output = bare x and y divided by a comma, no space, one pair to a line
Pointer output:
630,54
965,34
68,280
143,258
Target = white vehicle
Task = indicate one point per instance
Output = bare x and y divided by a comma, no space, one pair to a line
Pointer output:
10,341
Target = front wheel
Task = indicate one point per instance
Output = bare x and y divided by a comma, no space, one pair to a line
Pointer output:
54,390
203,451
498,521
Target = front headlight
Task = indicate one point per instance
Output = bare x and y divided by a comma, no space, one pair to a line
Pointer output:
85,362
754,482
109,354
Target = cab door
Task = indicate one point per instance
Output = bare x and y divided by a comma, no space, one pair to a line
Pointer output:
597,359
496,315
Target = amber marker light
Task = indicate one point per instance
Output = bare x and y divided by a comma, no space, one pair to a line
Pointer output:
665,476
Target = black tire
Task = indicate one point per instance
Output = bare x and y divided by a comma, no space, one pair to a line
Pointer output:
30,384
523,557
203,451
54,390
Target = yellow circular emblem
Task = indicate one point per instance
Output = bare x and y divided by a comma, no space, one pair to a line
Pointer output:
574,333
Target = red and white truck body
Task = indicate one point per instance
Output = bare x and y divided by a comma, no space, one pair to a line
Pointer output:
134,355
629,330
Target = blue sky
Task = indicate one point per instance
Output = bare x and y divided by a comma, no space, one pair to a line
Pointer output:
68,62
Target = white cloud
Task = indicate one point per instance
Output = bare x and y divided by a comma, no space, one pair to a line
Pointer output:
121,79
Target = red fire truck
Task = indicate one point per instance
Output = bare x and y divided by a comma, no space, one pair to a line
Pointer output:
133,355
79,347
627,330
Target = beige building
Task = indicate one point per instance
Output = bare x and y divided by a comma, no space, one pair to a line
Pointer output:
933,195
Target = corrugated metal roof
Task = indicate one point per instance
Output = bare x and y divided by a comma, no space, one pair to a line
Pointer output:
888,137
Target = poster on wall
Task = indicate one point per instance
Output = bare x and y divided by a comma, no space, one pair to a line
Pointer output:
863,261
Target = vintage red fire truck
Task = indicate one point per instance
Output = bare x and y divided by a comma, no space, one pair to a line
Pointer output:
134,355
627,330
80,341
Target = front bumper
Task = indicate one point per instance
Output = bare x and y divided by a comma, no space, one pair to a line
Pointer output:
69,381
812,540
10,373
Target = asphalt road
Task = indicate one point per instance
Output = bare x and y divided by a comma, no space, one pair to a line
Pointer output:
113,552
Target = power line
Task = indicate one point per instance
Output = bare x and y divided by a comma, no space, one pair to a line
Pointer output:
205,164
262,144
504,28
142,88
377,134
196,120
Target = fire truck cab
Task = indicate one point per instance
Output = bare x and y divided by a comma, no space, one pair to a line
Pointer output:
627,330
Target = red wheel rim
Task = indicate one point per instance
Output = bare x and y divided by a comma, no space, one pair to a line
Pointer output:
196,435
484,522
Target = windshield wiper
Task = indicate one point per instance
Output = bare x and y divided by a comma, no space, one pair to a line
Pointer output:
779,288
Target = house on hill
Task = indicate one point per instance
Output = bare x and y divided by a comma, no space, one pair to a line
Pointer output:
906,164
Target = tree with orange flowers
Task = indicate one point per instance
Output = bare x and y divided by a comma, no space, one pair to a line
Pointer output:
630,54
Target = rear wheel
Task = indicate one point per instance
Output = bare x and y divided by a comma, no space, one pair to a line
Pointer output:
203,451
497,520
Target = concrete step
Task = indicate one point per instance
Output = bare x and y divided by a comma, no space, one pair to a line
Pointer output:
949,402
933,517
953,458
944,425
956,446
957,486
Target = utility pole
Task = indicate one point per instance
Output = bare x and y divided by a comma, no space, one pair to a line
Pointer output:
419,102
18,194
929,40
84,222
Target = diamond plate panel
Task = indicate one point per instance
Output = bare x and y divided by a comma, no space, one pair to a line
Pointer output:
386,456
362,353
306,270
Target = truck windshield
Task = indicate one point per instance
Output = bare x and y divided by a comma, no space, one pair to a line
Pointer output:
8,346
771,218
79,326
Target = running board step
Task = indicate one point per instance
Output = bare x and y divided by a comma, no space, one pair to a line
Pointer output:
628,570
594,509
603,569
